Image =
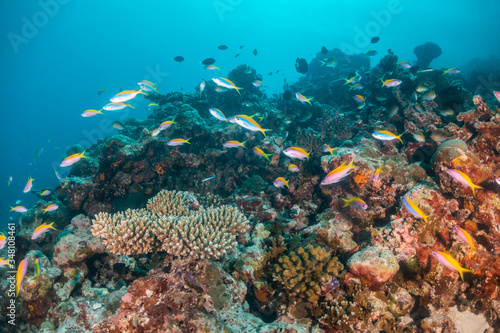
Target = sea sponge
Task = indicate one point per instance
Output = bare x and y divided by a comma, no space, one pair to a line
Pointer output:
301,272
173,222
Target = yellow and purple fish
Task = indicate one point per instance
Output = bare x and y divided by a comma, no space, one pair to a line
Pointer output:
339,173
212,68
303,98
41,229
72,159
4,262
355,203
327,149
226,83
116,106
446,259
451,71
296,153
259,152
464,236
178,142
202,87
391,83
248,123
100,91
126,95
386,136
21,272
28,185
463,179
46,192
376,176
3,240
19,209
257,83
217,114
38,269
166,124
280,182
351,80
91,113
234,144
360,100
293,168
404,64
50,208
414,210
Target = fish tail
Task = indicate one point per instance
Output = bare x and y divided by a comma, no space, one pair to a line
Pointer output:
399,137
322,63
187,140
345,201
351,165
264,130
267,157
382,81
286,183
238,90
462,270
142,92
130,105
51,226
11,208
243,143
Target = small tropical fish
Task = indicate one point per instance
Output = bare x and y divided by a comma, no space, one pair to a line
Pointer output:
100,91
166,124
116,106
226,83
3,262
212,68
21,272
91,113
381,97
41,229
19,209
152,106
464,236
57,174
377,173
329,62
440,135
404,64
217,114
327,149
257,83
46,192
248,123
393,111
208,61
178,58
414,210
156,131
371,53
339,173
448,261
293,168
296,153
429,95
422,88
72,159
351,80
259,152
234,144
148,86
359,99
386,136
303,99
220,89
391,83
28,185
280,182
463,179
222,47
118,125
126,95
202,87
451,71
254,52
497,95
9,180
356,86
3,240
355,203
178,142
446,112
207,179
50,208
38,269
418,136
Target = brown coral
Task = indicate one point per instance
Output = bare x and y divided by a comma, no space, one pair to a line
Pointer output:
174,222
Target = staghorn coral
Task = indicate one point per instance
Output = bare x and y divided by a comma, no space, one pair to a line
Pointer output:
301,272
174,222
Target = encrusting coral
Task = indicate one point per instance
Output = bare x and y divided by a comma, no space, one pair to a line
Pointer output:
174,222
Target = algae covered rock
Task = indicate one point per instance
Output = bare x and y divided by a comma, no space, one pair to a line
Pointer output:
374,265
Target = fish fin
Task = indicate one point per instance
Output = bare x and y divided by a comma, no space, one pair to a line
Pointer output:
345,201
267,157
187,140
462,270
264,130
51,226
399,137
322,63
243,143
238,90
286,183
351,165
382,81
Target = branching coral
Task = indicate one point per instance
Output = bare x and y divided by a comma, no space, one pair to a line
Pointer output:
302,271
173,222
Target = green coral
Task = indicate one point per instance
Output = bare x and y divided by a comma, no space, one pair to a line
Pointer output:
301,272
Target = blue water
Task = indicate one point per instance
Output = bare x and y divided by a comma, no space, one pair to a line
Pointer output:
56,55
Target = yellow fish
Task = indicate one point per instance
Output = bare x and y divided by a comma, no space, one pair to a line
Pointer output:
414,210
448,261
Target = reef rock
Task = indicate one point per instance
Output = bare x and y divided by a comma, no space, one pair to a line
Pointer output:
373,265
